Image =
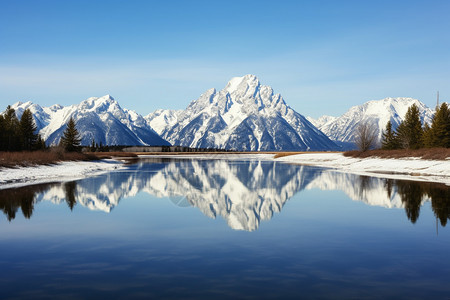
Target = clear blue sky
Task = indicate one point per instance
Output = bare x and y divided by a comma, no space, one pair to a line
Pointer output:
322,56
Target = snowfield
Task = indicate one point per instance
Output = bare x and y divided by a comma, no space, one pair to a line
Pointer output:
407,168
65,171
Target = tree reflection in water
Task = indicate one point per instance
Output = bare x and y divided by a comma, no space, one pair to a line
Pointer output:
413,193
266,185
69,189
25,198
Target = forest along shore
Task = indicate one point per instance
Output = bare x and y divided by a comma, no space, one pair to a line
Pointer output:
408,168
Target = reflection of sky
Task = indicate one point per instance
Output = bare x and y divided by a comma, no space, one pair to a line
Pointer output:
322,244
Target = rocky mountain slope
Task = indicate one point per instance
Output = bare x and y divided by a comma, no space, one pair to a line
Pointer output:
245,115
101,119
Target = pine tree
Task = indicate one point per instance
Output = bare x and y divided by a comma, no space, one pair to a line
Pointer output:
2,133
40,143
71,138
389,139
27,131
427,136
93,145
11,130
440,127
410,132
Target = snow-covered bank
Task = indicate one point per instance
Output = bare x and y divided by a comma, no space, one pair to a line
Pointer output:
404,168
65,171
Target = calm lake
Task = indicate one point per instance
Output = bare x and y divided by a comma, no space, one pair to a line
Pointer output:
213,229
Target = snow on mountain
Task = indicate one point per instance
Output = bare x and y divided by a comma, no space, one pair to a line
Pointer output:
376,112
245,115
162,118
98,118
41,115
322,120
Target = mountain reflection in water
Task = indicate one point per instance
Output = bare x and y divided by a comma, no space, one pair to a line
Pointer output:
244,193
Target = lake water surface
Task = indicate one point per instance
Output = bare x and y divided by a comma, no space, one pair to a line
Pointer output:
218,229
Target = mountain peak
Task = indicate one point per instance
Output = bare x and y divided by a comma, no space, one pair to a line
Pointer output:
100,104
107,97
244,116
242,83
24,105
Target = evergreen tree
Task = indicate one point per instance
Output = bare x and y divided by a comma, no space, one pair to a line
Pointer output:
11,130
71,138
93,145
439,135
389,139
2,133
410,132
40,143
27,131
427,136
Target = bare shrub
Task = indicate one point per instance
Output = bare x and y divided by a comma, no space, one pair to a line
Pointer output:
366,136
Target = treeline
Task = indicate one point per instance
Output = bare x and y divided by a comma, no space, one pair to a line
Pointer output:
410,134
19,135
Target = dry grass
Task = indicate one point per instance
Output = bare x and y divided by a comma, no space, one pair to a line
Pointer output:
425,153
283,154
15,159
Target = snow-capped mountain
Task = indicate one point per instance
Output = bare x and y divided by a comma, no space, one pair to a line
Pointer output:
245,115
101,119
377,113
162,118
322,120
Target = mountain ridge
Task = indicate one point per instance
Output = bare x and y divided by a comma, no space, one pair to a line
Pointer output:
98,118
245,115
377,113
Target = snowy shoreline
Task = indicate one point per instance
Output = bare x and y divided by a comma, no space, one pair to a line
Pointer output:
405,168
61,172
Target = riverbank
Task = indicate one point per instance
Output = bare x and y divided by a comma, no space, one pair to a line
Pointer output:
60,172
412,168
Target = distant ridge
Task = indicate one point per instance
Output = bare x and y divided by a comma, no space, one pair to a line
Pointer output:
101,119
376,112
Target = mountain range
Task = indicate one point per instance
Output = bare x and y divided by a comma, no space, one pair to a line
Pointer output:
376,113
244,116
101,119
